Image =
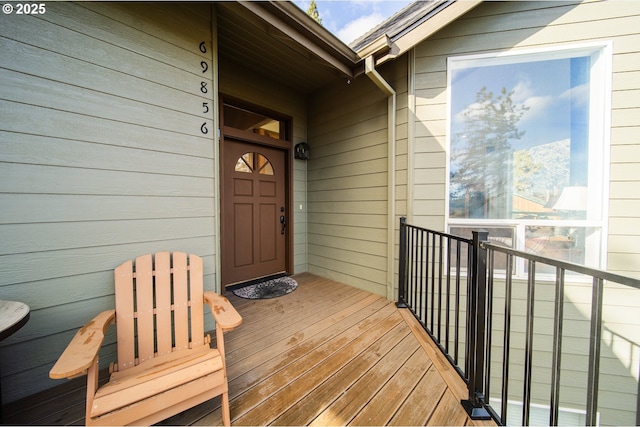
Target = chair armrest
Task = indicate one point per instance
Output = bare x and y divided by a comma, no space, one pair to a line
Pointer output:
225,314
83,348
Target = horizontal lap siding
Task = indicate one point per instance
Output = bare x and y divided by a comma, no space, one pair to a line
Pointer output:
102,158
520,25
348,177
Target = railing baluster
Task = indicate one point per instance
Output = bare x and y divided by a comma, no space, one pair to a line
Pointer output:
433,277
447,313
440,272
469,315
414,267
420,293
507,338
418,266
489,316
426,279
528,349
412,264
594,351
410,267
557,347
457,303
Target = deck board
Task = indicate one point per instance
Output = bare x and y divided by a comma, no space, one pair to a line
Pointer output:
326,354
343,410
420,404
381,408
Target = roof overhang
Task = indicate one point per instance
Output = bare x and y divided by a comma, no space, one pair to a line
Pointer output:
296,25
278,40
441,14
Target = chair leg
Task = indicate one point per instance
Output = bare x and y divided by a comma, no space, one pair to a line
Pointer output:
226,417
92,387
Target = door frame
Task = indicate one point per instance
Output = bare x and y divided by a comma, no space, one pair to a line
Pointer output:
227,132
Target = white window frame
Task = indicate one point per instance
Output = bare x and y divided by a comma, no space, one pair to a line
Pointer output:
601,54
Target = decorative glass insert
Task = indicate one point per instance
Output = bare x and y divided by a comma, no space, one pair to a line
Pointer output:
254,162
245,163
526,149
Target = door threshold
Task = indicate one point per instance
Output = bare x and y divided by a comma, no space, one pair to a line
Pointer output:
250,282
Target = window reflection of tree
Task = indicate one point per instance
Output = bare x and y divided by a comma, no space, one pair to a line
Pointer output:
481,153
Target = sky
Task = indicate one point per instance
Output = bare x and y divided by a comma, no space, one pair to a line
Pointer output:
554,92
551,90
349,20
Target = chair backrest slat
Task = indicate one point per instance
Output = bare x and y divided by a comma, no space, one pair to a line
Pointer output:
197,300
163,302
180,301
125,320
159,303
144,307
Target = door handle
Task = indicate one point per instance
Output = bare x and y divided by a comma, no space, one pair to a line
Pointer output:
283,221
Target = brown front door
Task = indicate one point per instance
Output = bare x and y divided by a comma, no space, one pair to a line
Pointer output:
254,222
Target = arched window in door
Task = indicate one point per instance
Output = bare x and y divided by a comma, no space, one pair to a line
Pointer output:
254,162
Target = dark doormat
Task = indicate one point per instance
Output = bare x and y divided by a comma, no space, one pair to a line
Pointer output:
268,289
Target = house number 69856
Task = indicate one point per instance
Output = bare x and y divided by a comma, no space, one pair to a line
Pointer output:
203,87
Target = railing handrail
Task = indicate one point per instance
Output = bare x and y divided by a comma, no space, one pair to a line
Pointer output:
566,265
439,233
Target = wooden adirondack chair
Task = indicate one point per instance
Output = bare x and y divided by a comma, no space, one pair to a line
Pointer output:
165,363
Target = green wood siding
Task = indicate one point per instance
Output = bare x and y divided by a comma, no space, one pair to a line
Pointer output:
524,25
347,178
102,158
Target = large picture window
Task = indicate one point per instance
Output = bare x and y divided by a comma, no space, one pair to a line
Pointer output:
528,150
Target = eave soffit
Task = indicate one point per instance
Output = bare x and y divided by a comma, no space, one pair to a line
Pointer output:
293,24
404,30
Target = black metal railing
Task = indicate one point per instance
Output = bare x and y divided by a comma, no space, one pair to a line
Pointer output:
468,298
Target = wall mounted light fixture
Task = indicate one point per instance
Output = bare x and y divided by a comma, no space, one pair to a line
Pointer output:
302,151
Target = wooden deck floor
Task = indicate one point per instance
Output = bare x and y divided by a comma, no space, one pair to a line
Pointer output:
326,354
